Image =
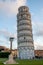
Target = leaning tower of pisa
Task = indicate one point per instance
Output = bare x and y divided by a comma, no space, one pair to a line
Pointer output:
24,34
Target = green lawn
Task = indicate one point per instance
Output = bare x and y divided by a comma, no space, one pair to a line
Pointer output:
24,62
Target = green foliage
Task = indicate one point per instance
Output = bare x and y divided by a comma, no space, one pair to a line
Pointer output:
4,54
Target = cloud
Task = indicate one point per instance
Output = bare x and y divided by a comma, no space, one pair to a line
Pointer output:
11,7
38,46
38,28
38,34
4,40
7,34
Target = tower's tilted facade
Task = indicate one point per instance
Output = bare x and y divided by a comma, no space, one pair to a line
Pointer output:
24,34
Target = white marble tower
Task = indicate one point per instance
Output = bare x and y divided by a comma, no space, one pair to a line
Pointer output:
24,34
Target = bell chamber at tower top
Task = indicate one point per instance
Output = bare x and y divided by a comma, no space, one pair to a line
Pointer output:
23,13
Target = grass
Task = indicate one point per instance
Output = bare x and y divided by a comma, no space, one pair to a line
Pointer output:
23,62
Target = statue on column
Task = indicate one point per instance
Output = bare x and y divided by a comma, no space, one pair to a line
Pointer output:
11,60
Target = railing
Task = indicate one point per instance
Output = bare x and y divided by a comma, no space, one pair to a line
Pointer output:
23,18
27,41
21,35
27,38
20,24
24,27
23,44
25,32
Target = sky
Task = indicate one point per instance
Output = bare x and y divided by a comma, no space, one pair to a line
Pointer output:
8,21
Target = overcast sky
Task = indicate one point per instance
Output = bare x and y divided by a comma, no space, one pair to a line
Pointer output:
8,21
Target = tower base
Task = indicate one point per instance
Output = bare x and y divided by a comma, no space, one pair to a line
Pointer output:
26,54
